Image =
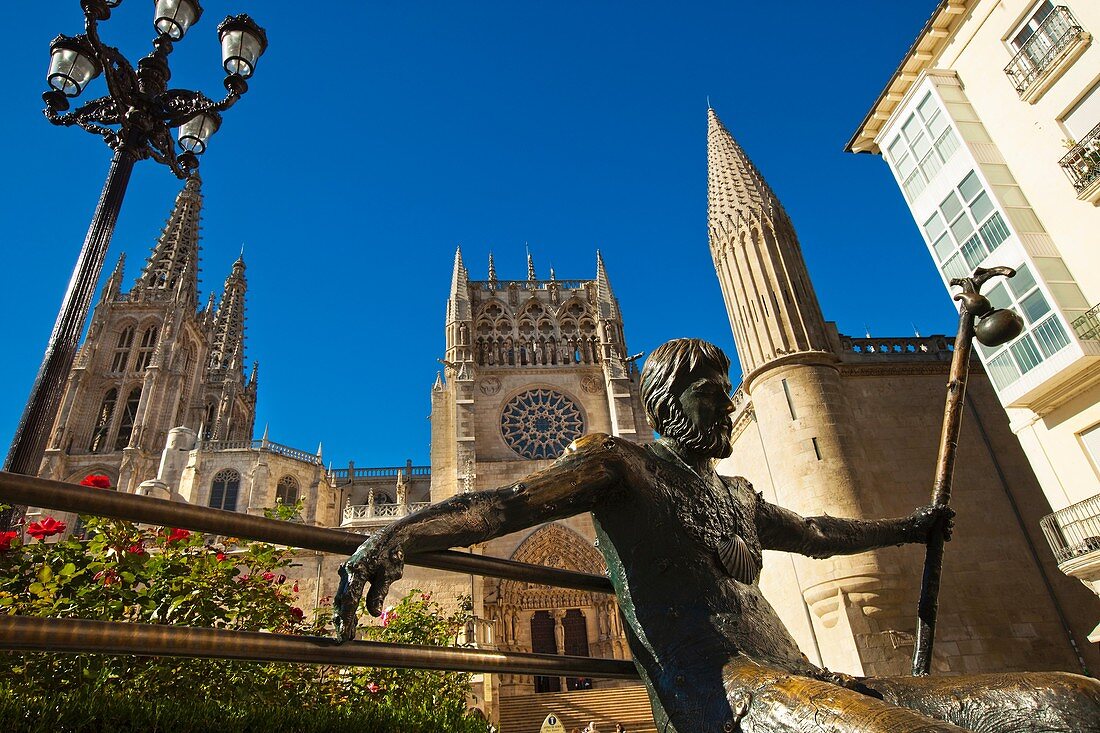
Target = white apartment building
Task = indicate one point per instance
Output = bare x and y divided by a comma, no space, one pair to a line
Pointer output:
991,127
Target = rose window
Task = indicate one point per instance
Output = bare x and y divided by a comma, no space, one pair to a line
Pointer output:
541,423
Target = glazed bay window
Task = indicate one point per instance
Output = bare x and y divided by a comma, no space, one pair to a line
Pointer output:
925,143
1043,337
965,228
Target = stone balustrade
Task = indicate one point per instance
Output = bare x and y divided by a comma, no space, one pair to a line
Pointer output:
260,445
359,514
908,347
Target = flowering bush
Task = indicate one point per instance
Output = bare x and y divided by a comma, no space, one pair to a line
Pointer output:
120,571
97,481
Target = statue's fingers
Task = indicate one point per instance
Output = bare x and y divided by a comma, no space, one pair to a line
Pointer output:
380,588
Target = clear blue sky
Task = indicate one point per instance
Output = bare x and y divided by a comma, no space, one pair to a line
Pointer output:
378,136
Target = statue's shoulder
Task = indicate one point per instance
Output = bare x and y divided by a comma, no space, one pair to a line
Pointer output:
740,483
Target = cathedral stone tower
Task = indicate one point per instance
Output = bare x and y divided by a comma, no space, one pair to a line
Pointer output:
530,365
153,362
828,424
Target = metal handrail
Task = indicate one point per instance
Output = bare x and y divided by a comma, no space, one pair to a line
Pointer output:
32,491
1087,325
1074,530
24,633
1082,163
1057,31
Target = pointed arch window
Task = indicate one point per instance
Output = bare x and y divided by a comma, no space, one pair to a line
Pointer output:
98,442
208,421
224,489
122,350
146,348
129,417
287,491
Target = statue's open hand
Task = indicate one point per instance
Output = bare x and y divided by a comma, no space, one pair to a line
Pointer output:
377,563
930,518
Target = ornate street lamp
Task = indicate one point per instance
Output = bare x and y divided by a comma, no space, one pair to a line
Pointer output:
135,119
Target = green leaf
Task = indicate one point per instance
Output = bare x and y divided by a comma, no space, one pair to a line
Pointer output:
68,569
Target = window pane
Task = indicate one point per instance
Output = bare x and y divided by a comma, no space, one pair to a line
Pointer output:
962,228
927,107
944,247
921,146
994,231
897,149
1051,336
931,165
970,186
905,166
955,267
1023,280
1026,353
947,144
1034,306
933,227
999,297
974,251
950,206
912,129
1003,371
936,124
914,185
981,207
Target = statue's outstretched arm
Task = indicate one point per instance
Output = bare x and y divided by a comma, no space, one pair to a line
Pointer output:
575,483
824,536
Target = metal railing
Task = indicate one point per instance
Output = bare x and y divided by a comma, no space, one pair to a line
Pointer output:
1087,325
75,636
1075,530
1045,46
1082,162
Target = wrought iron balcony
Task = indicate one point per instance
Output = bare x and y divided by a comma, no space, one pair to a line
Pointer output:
1082,162
1075,530
1050,41
1087,326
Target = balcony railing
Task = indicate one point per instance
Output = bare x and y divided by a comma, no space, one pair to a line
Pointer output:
1075,530
1087,326
262,445
1082,162
1045,47
356,513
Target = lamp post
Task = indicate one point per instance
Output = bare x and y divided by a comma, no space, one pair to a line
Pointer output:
135,119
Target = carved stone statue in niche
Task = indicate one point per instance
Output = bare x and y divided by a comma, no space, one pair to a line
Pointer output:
683,547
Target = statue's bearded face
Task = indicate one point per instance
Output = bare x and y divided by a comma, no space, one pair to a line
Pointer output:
704,425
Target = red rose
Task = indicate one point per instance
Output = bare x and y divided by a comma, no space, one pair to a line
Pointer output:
373,687
268,577
220,557
297,613
137,548
175,535
96,481
48,527
7,537
295,586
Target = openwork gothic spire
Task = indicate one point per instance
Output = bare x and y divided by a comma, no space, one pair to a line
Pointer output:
228,349
771,304
172,270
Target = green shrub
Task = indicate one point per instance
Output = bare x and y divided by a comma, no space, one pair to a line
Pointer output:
119,571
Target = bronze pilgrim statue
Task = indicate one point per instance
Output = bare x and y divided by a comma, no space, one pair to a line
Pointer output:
683,548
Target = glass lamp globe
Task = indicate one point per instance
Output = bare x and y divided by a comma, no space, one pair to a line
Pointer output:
243,42
72,65
174,17
194,134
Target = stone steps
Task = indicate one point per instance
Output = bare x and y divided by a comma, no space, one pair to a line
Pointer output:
627,705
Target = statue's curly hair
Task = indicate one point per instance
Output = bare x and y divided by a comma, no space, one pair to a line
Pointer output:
662,374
